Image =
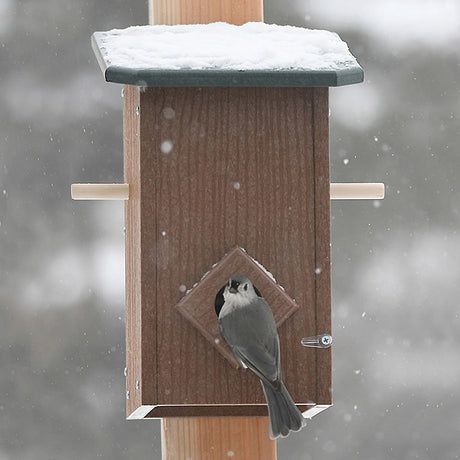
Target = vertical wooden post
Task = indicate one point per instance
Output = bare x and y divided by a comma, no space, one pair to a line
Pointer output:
209,438
205,11
212,438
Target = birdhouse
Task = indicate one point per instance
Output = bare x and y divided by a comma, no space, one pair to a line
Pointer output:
226,166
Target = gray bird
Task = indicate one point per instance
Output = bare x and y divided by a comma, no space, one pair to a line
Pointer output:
246,323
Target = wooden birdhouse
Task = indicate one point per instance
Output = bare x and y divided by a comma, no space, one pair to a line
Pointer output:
226,165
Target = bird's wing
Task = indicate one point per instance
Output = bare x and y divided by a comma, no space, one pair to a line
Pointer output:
263,362
251,334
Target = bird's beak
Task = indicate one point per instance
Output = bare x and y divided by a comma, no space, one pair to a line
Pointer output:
234,286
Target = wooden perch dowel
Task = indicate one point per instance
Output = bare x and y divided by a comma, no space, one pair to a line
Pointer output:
100,191
345,191
357,191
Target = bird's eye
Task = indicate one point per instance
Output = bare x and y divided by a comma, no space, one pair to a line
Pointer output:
245,287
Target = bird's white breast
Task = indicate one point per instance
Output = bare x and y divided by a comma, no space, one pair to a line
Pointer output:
232,303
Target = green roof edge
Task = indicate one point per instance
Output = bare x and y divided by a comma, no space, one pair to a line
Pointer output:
212,77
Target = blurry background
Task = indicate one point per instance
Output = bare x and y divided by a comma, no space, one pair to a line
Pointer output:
396,267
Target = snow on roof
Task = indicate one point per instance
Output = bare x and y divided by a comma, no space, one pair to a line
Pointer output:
221,54
252,46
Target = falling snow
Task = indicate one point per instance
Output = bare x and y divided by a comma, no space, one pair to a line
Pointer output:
166,147
168,113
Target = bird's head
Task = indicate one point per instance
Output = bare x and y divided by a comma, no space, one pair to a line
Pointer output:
239,290
241,287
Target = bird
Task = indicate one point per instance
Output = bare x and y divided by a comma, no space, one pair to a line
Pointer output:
247,325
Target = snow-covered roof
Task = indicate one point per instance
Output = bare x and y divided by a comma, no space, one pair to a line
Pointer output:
221,54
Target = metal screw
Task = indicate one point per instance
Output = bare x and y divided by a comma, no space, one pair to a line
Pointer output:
137,384
317,341
127,395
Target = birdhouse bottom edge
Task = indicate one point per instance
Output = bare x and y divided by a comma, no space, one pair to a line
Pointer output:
309,410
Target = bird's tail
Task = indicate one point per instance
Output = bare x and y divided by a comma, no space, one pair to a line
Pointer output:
283,413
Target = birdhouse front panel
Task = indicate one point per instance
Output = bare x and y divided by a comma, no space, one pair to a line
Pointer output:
224,179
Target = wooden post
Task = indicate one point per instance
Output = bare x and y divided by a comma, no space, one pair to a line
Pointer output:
203,12
212,438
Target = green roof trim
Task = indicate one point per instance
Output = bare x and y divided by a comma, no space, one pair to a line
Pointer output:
247,78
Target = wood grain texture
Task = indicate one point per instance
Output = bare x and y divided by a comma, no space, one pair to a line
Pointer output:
210,438
203,12
323,238
133,251
219,168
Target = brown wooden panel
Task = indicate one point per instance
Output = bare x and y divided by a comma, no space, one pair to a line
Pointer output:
226,167
132,247
323,238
